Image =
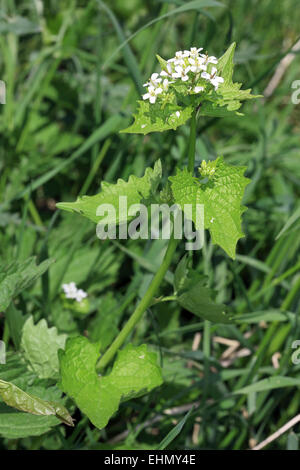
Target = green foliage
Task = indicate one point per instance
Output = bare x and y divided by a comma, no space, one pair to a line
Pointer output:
40,345
18,276
221,196
153,118
193,294
228,98
17,398
134,372
177,107
136,190
70,87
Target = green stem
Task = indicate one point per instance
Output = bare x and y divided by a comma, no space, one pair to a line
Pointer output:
159,276
206,354
192,143
142,306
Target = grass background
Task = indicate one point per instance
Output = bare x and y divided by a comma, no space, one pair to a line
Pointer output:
71,85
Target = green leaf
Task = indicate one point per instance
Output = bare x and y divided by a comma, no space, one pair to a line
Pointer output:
14,424
40,345
154,118
137,190
221,194
134,372
270,383
18,276
174,432
225,64
15,397
227,99
15,321
198,300
194,296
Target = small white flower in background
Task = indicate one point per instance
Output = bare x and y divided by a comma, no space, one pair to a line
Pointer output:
71,292
80,295
177,114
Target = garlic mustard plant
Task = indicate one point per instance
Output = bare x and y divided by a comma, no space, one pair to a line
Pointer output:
189,86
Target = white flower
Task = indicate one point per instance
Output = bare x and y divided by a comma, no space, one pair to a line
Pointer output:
209,59
214,79
177,114
187,66
71,292
165,84
205,75
197,64
194,51
181,72
152,94
179,57
154,80
212,60
80,295
168,72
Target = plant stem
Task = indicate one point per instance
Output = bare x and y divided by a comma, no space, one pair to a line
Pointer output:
142,306
206,354
159,276
192,143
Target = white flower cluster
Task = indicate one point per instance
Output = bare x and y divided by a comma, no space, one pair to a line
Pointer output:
71,292
190,67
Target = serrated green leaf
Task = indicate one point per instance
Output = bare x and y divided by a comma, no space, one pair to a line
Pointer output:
154,118
40,345
221,196
227,99
137,190
134,371
18,276
15,397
